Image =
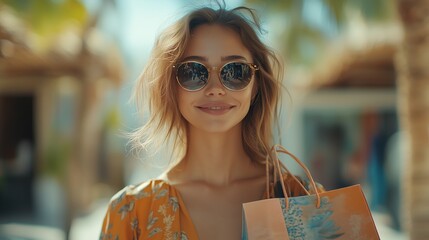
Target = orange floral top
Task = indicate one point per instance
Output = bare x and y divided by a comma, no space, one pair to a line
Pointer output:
155,210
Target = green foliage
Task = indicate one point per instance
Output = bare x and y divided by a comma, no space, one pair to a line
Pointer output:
56,157
113,118
371,10
277,4
303,40
47,18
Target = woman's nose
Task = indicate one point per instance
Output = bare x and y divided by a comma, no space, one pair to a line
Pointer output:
214,86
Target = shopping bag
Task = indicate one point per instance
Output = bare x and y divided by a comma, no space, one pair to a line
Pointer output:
337,214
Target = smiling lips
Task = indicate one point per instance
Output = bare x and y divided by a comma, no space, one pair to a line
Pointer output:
215,108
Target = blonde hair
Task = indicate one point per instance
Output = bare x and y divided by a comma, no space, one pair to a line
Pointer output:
156,86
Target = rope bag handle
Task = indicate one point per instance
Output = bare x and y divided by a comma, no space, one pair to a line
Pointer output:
278,166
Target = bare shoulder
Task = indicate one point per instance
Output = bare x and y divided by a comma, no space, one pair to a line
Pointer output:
139,191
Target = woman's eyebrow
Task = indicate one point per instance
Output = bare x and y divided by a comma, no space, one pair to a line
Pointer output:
193,58
204,59
233,57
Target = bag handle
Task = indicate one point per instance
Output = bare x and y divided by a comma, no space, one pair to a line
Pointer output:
277,170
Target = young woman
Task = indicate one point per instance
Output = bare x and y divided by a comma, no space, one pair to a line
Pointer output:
212,88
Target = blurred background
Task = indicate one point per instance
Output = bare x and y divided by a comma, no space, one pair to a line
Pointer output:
356,108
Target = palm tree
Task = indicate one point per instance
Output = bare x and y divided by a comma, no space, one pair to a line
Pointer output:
413,83
300,34
47,18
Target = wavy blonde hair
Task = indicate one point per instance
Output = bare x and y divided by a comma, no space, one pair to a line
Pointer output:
156,89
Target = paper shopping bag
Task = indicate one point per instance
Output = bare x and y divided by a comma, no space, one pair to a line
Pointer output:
337,214
342,214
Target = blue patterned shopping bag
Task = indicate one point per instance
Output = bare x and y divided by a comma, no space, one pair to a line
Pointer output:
337,214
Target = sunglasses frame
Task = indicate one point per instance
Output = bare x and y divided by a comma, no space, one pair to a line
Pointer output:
252,66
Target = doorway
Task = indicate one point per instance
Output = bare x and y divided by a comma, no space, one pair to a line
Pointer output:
17,161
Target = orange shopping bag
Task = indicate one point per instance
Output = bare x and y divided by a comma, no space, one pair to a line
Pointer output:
338,214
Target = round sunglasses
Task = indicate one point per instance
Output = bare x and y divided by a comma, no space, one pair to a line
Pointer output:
234,76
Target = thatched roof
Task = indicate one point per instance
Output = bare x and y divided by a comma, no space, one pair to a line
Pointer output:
90,57
367,63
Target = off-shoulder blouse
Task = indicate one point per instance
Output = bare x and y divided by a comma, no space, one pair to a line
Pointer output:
155,210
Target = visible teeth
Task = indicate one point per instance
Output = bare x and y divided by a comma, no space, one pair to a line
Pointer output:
215,108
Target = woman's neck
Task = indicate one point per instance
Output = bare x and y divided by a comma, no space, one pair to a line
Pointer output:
216,158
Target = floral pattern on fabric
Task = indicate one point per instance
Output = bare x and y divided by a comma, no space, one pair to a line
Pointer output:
151,210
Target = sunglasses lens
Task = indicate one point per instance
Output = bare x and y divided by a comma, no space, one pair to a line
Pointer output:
236,76
192,76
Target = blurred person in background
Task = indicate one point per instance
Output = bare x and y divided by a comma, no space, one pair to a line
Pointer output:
212,88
